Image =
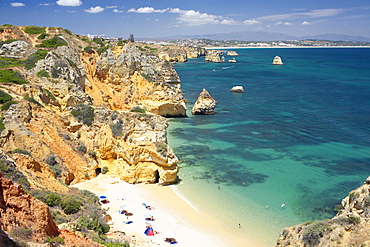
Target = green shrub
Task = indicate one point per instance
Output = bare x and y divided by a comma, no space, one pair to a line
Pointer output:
86,39
4,97
92,154
50,160
116,127
43,36
2,126
9,62
84,113
21,232
50,94
11,76
104,170
31,61
55,241
354,220
6,105
21,151
137,109
313,232
81,147
42,73
68,31
53,199
32,100
70,205
88,49
34,30
54,42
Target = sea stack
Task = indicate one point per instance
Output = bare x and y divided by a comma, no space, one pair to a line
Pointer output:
205,104
237,89
277,61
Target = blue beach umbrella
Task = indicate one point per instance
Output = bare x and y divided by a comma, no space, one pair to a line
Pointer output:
103,197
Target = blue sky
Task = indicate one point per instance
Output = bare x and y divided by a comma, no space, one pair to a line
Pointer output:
159,18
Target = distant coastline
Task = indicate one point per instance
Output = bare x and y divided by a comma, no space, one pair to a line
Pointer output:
250,47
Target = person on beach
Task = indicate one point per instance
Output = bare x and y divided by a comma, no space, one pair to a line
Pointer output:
240,226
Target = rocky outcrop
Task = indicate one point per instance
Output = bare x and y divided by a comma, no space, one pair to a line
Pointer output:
237,89
277,61
205,104
232,53
350,227
214,56
16,49
20,210
174,54
195,52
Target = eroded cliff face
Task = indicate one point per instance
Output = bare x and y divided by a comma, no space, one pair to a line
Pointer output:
350,227
20,210
130,144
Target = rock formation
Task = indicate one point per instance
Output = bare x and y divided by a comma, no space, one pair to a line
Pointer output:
237,89
20,210
214,56
350,227
232,53
277,61
205,104
110,84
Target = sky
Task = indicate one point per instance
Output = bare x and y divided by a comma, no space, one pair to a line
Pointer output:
163,18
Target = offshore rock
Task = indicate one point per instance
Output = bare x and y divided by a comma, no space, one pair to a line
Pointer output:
237,89
277,61
205,104
350,227
214,56
232,53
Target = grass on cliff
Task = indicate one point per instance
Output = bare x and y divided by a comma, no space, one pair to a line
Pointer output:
53,42
34,30
10,76
84,113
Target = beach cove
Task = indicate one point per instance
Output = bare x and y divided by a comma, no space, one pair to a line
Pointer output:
172,214
285,152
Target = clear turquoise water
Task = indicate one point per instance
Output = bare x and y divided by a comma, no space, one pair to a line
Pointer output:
299,135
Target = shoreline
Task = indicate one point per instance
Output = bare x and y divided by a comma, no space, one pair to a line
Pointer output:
262,47
173,213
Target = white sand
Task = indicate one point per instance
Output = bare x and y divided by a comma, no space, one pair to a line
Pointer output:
174,216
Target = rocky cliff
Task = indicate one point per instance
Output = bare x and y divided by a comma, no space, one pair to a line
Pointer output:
90,108
350,227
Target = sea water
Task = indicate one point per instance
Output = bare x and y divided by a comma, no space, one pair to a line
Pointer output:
284,152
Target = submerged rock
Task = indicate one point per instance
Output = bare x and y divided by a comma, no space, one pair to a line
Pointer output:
237,89
277,61
205,104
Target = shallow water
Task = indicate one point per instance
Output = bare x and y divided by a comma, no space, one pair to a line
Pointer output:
298,136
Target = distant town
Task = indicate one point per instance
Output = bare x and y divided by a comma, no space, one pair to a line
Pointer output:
236,43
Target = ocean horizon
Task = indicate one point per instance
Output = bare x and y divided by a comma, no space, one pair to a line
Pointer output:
284,152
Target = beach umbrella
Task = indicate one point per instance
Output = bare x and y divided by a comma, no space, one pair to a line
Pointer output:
103,197
149,231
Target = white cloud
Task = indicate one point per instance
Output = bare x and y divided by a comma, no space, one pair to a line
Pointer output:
71,11
17,4
44,4
94,10
316,13
118,11
72,3
278,23
188,17
147,10
111,7
305,23
251,22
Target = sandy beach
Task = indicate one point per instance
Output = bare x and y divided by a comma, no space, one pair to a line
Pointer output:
174,217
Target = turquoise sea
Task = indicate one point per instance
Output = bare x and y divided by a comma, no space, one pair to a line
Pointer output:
299,136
